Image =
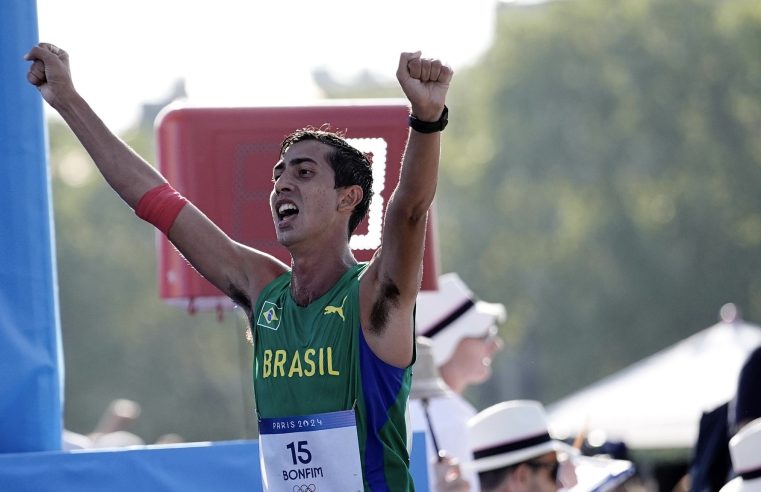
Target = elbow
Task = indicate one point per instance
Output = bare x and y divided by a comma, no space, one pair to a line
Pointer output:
418,212
410,210
411,215
418,215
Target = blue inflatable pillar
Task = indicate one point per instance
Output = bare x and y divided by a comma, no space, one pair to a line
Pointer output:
30,348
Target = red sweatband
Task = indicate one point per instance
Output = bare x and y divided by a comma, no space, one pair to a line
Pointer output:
160,206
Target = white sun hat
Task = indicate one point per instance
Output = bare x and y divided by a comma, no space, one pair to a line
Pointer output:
745,450
451,313
509,433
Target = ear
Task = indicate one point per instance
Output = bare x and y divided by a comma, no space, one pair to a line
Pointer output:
520,478
349,197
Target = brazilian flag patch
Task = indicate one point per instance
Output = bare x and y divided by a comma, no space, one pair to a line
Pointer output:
269,316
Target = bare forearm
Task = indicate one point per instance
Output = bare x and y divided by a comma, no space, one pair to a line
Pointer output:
127,173
419,174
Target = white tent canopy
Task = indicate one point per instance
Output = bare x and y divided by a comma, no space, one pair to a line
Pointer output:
657,402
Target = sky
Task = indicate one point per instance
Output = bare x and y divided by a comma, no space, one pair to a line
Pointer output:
247,53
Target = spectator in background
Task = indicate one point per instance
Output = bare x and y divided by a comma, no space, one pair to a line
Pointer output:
111,429
513,450
444,471
747,402
745,450
464,338
711,466
118,416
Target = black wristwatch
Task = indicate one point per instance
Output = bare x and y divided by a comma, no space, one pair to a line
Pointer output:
430,126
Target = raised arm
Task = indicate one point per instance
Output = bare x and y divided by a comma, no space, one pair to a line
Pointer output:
391,284
236,270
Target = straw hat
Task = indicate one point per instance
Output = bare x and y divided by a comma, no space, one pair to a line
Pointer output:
426,381
451,313
745,449
509,433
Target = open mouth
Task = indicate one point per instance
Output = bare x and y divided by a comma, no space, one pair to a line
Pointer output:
286,210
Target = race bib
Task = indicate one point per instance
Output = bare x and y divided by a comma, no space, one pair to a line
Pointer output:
310,453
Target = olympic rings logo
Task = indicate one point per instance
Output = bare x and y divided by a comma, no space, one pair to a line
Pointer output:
305,488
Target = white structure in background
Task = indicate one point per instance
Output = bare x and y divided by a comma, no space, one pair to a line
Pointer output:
658,401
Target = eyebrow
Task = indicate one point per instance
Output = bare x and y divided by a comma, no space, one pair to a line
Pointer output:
293,162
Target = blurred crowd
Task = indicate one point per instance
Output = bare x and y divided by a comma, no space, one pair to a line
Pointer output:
508,447
112,431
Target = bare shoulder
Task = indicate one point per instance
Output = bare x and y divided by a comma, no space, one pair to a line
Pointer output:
257,270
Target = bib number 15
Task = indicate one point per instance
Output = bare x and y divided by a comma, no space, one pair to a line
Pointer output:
299,452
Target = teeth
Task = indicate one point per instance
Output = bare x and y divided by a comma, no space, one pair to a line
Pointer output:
286,206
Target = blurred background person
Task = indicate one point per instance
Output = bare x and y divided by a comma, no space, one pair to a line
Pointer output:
747,402
444,471
111,429
745,450
464,338
463,330
711,465
513,450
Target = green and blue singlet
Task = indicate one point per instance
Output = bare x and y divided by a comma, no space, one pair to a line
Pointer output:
314,359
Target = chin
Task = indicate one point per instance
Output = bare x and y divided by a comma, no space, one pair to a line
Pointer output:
287,238
484,375
284,240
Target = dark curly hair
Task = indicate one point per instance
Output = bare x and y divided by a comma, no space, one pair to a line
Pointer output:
351,166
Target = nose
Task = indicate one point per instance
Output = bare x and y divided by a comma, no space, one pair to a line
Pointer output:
283,183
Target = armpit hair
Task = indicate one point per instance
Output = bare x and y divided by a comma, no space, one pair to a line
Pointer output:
388,298
239,297
244,302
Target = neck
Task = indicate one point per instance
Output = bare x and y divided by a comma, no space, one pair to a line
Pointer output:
314,275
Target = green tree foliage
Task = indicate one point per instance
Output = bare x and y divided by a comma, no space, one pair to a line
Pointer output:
190,374
603,160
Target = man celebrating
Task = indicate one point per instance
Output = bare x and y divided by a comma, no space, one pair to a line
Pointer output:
331,335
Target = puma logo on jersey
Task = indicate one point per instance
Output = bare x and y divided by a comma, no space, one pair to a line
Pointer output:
339,310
